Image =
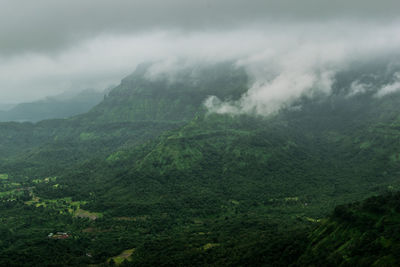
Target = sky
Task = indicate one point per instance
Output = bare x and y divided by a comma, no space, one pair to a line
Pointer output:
48,47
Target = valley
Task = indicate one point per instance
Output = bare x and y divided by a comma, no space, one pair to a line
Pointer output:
136,181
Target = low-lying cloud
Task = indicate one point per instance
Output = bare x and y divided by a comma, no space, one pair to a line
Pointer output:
285,61
390,88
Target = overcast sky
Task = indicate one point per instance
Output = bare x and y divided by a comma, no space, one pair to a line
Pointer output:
48,46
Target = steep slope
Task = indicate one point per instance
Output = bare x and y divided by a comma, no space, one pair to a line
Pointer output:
137,110
169,97
360,234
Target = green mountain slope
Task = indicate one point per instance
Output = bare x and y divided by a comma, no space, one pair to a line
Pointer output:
169,97
359,234
150,169
239,179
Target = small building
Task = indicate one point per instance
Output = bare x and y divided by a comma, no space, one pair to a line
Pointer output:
58,235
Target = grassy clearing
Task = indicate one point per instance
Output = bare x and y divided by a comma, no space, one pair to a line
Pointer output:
63,205
235,202
4,176
125,255
365,145
87,136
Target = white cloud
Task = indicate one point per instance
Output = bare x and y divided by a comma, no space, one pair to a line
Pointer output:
285,61
357,88
391,87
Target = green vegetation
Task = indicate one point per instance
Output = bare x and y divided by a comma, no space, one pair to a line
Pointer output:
149,178
126,255
358,234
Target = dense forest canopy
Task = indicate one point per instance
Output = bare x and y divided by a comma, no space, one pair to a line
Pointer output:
151,177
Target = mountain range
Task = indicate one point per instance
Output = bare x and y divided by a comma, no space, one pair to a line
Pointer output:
150,177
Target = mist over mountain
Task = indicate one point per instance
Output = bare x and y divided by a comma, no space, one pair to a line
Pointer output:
295,57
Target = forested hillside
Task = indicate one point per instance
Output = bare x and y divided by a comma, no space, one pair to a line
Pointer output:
150,177
360,234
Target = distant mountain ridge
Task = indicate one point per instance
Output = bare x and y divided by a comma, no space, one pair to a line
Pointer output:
56,107
6,106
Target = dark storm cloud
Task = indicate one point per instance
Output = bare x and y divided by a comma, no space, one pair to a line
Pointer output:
47,25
